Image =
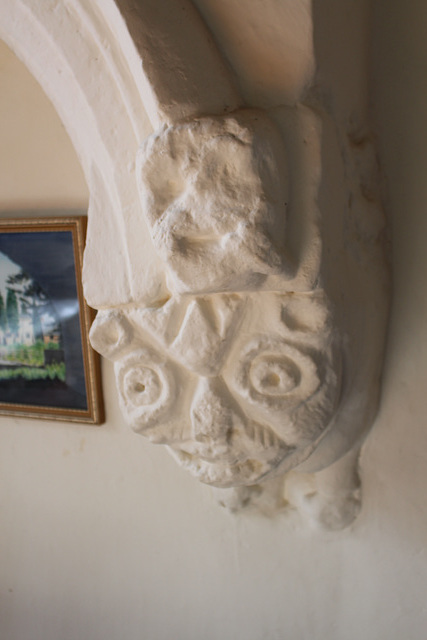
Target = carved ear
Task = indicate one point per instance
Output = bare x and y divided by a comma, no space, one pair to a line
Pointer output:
111,333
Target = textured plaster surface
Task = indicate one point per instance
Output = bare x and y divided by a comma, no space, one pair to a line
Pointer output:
272,57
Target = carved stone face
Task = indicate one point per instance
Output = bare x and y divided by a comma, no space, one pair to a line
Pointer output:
238,386
240,383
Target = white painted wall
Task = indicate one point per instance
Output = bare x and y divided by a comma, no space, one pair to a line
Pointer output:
103,537
38,166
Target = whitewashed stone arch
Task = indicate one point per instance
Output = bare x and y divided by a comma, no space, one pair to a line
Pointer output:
270,332
85,59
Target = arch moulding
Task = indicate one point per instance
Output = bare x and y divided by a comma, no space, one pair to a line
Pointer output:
234,249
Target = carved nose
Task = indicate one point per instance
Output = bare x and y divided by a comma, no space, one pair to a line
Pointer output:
214,413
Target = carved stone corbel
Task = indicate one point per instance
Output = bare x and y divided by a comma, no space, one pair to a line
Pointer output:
235,254
254,363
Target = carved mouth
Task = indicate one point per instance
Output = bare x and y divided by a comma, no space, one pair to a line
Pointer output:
246,458
222,474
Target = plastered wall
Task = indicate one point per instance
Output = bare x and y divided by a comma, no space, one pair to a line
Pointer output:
102,536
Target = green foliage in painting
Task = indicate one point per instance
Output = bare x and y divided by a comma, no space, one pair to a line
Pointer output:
3,320
32,298
12,313
50,372
28,354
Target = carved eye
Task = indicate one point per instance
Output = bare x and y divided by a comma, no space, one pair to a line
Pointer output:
147,388
142,386
274,375
292,386
277,374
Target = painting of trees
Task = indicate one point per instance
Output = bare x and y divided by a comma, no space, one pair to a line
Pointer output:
44,321
32,298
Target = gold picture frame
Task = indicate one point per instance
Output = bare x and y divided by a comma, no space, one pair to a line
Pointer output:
48,369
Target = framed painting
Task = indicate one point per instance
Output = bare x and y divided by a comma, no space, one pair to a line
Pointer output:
47,368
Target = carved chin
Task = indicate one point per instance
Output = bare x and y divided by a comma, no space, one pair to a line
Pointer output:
223,474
